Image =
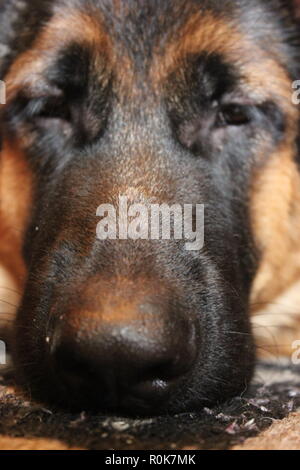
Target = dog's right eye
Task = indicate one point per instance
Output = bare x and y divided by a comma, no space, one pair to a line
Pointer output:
50,107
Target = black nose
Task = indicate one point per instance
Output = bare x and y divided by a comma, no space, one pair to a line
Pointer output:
131,367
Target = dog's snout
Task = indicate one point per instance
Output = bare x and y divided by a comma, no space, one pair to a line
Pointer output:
128,366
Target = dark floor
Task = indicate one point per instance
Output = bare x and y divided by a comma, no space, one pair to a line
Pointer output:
274,395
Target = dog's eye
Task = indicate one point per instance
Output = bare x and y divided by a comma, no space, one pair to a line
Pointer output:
51,108
234,115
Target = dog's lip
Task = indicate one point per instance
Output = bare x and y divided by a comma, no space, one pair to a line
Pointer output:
147,398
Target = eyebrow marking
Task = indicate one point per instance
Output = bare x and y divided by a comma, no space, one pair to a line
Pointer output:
64,28
203,32
207,33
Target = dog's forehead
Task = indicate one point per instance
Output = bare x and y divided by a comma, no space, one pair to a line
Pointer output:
152,39
140,27
135,35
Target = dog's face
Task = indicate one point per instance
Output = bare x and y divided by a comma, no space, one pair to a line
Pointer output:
185,102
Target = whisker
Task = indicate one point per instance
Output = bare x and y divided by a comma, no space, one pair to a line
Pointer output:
274,304
11,290
238,333
8,303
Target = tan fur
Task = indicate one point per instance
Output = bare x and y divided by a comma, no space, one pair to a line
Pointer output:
17,443
275,204
203,32
282,435
209,34
63,28
16,194
15,197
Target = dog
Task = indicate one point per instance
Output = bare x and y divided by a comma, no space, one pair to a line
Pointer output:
183,102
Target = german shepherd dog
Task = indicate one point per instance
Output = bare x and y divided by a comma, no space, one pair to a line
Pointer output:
164,102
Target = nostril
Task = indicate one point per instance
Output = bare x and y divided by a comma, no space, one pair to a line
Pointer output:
155,381
155,384
117,367
156,389
166,371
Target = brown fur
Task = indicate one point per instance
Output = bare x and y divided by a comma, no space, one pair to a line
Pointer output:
17,443
276,216
275,197
30,65
283,435
16,193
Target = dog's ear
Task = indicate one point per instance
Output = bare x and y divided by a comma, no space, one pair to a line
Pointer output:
292,6
295,10
290,27
295,6
11,14
19,22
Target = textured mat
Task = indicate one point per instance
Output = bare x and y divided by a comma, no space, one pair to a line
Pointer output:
274,395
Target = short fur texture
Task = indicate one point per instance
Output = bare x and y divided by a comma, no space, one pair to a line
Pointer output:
186,102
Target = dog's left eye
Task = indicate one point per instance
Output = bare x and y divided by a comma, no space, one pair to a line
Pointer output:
234,115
